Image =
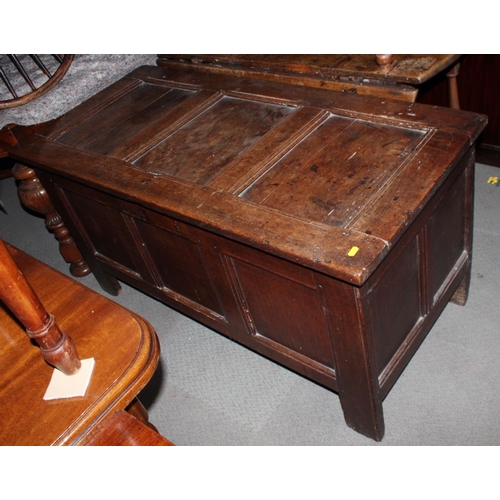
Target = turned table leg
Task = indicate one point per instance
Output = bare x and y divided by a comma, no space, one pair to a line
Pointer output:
57,348
453,86
34,197
384,61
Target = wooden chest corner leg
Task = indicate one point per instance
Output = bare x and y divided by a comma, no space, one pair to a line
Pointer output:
357,382
362,411
462,292
33,196
358,387
107,281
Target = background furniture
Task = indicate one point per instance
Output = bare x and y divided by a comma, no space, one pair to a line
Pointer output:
29,76
24,78
478,90
386,76
97,326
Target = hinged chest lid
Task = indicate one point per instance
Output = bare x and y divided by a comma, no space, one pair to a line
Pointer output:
305,174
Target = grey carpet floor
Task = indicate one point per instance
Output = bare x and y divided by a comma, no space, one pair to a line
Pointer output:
209,390
87,74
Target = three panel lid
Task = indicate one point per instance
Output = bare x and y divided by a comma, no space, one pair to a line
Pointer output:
306,174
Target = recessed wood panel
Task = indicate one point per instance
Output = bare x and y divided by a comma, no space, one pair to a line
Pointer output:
335,171
446,236
180,265
293,318
105,229
204,146
394,305
118,122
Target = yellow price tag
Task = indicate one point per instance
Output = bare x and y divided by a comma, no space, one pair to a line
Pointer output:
353,251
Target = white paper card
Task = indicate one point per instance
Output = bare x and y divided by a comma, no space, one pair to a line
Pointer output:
70,386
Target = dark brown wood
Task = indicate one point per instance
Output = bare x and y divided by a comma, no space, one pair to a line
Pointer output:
324,230
384,75
57,348
97,326
385,61
488,154
453,86
478,83
10,136
34,197
405,68
333,72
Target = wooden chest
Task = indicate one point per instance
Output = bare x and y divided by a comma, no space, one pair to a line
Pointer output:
323,230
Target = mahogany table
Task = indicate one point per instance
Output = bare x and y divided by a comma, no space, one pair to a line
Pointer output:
324,230
125,349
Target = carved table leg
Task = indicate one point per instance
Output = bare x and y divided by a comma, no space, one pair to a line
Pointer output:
57,348
34,197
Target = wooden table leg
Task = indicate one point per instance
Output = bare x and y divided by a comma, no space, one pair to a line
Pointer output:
122,429
137,410
453,86
384,61
34,197
57,348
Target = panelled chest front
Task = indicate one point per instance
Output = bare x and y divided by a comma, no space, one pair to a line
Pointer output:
323,230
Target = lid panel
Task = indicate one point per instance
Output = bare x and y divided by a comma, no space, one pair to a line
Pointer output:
118,122
203,147
333,173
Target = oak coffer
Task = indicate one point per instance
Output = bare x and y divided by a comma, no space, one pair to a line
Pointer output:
326,231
